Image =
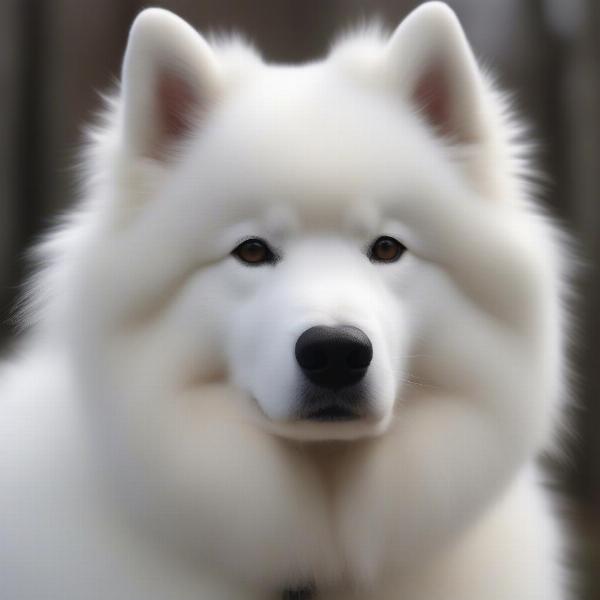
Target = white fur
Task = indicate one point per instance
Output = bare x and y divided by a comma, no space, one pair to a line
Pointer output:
147,446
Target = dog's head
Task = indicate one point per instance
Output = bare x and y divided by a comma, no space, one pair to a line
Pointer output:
346,244
330,238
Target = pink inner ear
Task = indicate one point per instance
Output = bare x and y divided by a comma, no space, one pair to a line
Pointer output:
432,96
176,104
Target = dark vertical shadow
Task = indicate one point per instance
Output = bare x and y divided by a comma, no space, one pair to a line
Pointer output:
28,176
30,172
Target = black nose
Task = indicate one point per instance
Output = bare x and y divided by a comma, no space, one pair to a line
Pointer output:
334,357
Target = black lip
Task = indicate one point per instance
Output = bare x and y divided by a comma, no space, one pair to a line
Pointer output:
332,413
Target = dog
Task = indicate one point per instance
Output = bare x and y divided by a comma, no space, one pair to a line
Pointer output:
302,337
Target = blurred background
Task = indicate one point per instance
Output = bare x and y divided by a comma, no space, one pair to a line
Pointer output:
56,55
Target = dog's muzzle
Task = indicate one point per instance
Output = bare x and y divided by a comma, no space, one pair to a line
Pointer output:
333,360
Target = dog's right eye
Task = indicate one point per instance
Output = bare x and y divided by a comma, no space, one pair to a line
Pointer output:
386,249
254,252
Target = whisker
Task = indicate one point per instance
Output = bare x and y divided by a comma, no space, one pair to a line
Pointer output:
421,384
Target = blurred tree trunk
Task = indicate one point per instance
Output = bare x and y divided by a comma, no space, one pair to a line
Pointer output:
582,97
10,68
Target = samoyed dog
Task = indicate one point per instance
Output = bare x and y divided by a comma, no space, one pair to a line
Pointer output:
301,339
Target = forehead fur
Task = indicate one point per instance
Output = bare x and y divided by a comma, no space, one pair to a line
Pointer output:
309,131
359,47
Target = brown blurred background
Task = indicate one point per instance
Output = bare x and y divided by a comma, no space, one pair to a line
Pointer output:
56,55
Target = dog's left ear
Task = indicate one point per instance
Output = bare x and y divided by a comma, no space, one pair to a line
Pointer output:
170,78
430,60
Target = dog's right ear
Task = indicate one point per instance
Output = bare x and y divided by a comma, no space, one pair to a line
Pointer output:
170,77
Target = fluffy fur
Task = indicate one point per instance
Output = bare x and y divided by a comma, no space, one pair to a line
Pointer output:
148,446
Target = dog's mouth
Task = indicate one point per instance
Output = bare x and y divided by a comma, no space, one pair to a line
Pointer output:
328,419
332,413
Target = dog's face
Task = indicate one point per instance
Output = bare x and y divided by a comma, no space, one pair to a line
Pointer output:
319,236
308,254
292,201
340,244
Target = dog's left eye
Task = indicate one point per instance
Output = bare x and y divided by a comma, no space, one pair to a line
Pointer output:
254,252
386,249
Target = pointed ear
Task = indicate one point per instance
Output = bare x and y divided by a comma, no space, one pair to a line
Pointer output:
432,62
170,77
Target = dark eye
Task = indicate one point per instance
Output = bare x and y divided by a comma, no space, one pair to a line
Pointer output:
254,252
386,249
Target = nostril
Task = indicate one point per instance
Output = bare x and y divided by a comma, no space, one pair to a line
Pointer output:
360,358
312,358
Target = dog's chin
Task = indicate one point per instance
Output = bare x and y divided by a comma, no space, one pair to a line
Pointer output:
322,426
327,428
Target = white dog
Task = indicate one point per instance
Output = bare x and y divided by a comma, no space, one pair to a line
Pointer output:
302,338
